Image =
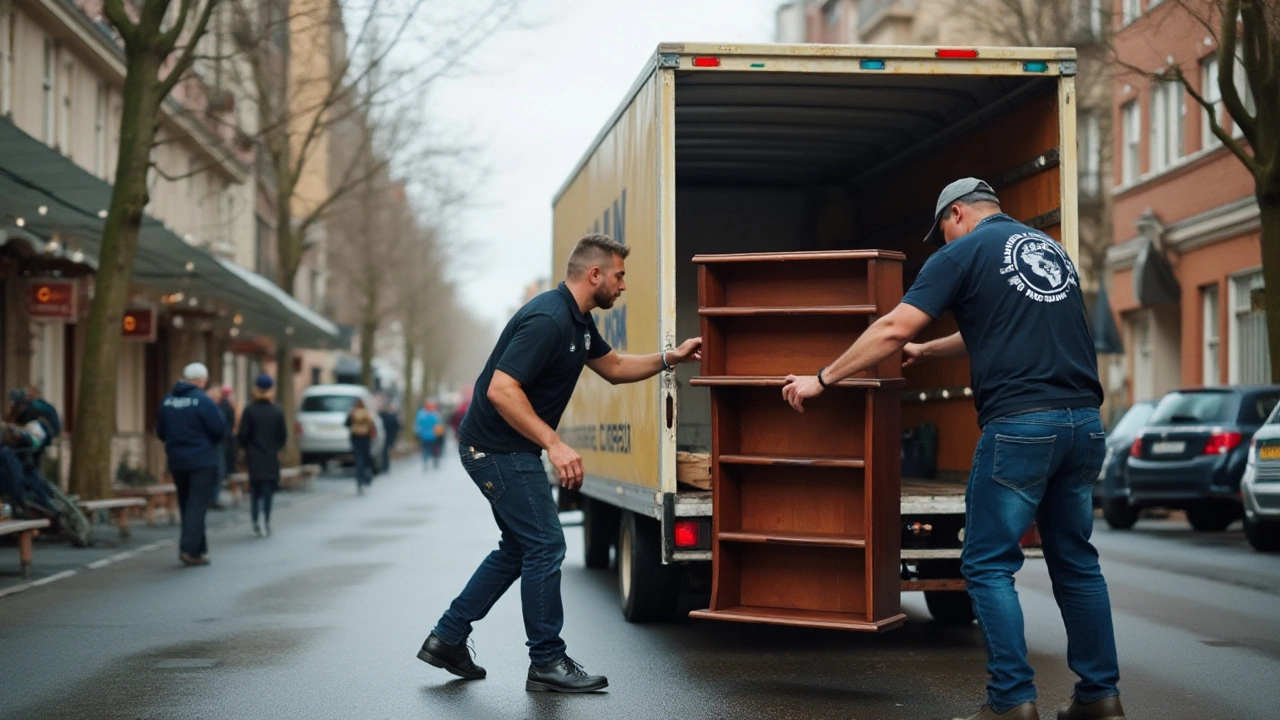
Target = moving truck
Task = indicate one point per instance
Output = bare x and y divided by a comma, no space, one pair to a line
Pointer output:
778,148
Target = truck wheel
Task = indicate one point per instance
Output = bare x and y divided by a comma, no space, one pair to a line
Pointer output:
648,589
1119,514
1263,536
949,607
599,532
1211,517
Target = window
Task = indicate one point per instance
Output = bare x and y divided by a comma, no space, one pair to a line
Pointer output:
1167,109
1250,359
328,403
50,96
1131,117
1194,408
1210,373
831,13
1090,149
1130,11
100,130
1095,19
1212,94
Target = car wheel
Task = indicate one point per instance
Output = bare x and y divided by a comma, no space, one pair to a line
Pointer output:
1264,536
1212,517
648,589
599,532
1119,514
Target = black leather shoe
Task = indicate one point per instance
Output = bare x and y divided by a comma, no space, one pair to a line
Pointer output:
454,658
1104,709
563,675
1025,711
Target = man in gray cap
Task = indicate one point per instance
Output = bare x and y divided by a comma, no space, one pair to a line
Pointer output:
1016,298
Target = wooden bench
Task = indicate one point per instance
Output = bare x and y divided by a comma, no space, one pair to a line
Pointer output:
156,496
26,530
118,508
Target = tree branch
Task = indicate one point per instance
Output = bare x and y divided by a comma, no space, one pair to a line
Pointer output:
188,53
168,40
119,17
1226,74
1220,132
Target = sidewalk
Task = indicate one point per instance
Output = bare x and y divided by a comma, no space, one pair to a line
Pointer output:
54,558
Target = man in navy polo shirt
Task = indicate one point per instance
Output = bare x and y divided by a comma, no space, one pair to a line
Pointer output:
517,405
1016,298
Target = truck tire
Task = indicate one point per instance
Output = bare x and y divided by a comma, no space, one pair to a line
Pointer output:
1119,514
1264,536
949,606
599,532
1211,517
648,589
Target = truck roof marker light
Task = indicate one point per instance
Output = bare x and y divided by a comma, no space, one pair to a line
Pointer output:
956,54
706,62
757,65
1035,66
869,64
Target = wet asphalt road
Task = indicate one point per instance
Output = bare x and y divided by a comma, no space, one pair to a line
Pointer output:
323,621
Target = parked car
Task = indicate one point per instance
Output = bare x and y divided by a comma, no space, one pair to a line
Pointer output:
1260,487
1191,455
322,417
1111,493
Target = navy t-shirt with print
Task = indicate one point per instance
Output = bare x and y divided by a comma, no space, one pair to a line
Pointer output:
544,347
1016,298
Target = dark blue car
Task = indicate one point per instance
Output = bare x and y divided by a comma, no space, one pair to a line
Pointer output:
1192,452
1110,493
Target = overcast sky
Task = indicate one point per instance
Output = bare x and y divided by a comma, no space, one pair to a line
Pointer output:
533,99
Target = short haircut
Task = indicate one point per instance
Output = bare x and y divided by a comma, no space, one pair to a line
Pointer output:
592,251
978,198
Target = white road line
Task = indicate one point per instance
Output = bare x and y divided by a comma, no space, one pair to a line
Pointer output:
54,578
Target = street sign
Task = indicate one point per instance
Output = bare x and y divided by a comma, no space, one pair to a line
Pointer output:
53,300
139,324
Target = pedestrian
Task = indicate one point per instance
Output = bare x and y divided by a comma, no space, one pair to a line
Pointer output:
263,436
430,432
519,398
1016,298
362,428
192,429
455,418
390,414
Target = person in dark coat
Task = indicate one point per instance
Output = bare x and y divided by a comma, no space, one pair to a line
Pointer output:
192,428
262,435
391,425
227,405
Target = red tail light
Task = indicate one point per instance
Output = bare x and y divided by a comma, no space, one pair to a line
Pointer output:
706,62
1221,443
686,533
957,53
1135,450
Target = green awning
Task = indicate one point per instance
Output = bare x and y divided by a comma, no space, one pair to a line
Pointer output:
74,202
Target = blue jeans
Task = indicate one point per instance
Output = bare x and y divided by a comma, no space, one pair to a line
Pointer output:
362,449
195,490
531,549
1038,465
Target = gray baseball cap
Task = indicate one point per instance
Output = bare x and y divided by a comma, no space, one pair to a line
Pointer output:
952,193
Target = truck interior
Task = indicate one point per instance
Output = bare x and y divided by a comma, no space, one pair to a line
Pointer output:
772,162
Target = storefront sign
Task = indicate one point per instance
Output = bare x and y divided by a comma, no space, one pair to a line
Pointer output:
139,324
53,300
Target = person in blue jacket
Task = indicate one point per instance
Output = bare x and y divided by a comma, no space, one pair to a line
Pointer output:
192,428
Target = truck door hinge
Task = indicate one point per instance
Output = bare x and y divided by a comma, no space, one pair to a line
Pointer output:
668,61
1067,67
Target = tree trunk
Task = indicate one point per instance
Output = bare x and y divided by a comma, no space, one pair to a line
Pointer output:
91,471
409,403
368,331
1269,212
285,398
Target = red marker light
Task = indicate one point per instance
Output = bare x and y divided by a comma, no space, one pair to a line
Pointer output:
1135,450
686,532
957,54
706,62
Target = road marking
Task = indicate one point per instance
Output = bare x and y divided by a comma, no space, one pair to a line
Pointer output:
54,578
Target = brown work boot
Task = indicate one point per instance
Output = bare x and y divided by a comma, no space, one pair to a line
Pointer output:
1105,709
1025,711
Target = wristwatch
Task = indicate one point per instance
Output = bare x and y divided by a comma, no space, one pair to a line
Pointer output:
820,380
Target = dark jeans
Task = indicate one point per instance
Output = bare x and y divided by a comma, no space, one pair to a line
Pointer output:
531,549
260,494
431,451
362,447
194,493
1039,465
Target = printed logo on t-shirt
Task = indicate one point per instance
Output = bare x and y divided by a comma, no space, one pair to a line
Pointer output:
1037,266
586,341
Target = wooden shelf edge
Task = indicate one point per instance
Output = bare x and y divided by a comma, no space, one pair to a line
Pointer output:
796,539
828,462
819,311
779,381
804,255
801,618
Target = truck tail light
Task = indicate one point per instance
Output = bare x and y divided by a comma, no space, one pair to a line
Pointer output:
957,53
706,62
1221,442
687,533
1135,450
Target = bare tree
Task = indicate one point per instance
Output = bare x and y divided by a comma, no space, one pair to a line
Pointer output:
159,45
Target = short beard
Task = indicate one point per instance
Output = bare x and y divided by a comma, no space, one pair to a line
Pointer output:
604,300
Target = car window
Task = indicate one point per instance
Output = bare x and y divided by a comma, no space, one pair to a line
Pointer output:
1133,420
1257,408
1193,408
328,403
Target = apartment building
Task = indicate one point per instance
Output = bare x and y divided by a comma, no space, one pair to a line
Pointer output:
1185,269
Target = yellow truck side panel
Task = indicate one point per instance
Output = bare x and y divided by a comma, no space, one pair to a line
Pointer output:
616,428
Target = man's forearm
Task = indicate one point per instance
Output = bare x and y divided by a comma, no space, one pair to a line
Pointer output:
869,350
634,368
514,407
951,346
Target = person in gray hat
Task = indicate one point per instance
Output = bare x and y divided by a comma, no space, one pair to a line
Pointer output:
1016,298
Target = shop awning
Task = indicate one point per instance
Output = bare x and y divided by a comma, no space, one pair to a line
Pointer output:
49,198
1106,336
